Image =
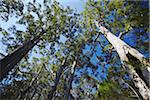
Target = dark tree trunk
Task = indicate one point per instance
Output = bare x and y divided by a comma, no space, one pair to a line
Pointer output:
8,62
68,96
58,75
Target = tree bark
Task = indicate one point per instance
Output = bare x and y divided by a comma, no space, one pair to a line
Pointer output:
123,49
58,75
68,96
23,93
8,62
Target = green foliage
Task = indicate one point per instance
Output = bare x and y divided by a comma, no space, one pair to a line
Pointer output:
114,87
79,31
10,7
126,14
110,90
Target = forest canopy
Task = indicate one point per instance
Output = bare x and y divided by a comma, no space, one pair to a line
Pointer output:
50,51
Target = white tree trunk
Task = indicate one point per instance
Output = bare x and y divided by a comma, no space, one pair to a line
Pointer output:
123,49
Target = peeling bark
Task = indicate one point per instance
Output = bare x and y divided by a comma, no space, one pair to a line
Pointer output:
123,49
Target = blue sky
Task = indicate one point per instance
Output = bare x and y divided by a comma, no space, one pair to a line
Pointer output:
75,4
79,6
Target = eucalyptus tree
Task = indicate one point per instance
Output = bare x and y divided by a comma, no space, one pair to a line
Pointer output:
56,82
43,23
110,19
44,26
78,60
73,49
53,75
30,83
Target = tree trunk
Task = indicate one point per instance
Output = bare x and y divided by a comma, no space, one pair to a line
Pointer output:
8,62
58,74
123,49
23,93
68,96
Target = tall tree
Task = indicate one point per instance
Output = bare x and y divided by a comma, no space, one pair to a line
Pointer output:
8,62
56,32
50,14
56,81
123,49
94,11
71,80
